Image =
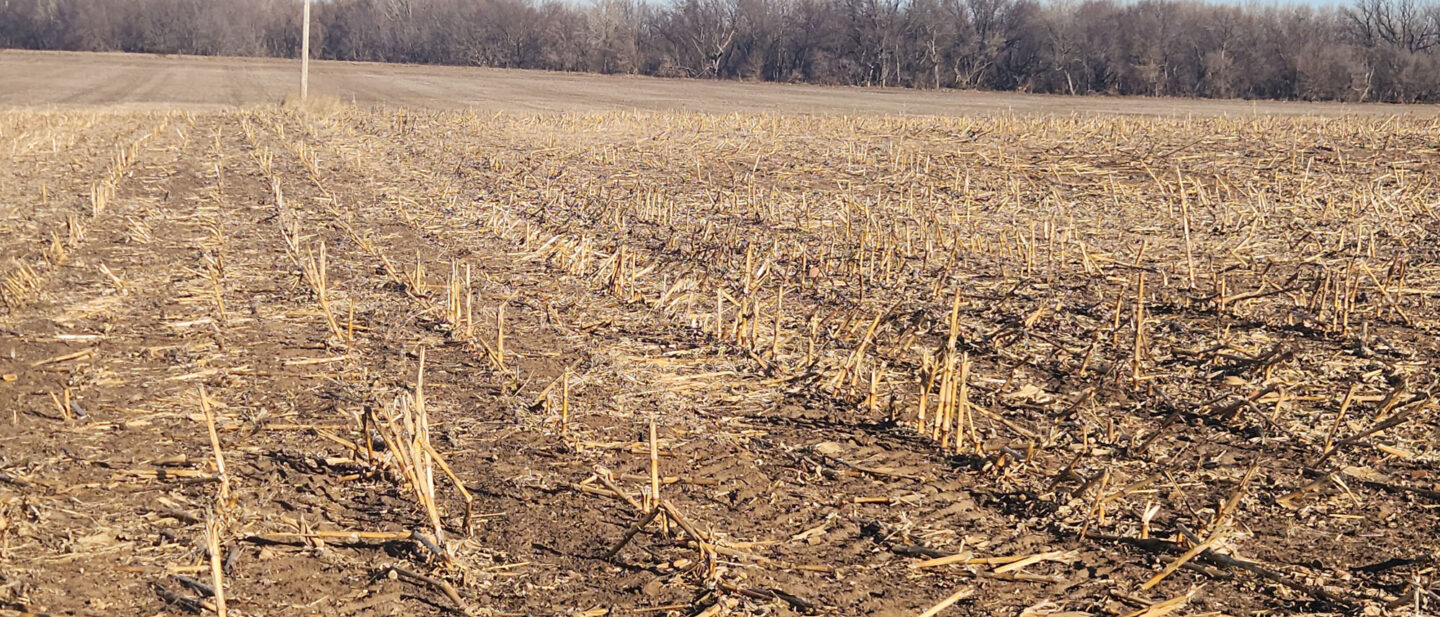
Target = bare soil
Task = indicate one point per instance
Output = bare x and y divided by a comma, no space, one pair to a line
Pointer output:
1208,339
70,79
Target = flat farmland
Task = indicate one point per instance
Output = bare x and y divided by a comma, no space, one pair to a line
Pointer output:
68,79
558,354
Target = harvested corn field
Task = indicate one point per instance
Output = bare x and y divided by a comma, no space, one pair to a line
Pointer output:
337,361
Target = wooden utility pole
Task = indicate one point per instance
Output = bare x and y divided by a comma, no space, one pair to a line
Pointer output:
305,52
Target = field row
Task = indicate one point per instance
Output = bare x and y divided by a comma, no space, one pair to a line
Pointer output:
325,360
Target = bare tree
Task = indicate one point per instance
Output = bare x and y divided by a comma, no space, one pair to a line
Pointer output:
1371,50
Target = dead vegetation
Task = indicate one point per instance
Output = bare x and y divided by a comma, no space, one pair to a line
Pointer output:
338,361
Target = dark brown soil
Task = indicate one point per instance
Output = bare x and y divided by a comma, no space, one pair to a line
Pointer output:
606,237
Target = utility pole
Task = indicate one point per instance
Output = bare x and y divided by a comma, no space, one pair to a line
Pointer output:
305,52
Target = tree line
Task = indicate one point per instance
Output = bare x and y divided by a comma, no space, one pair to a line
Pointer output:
1372,50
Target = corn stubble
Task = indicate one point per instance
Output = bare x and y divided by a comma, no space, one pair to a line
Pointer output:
1014,308
1060,307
